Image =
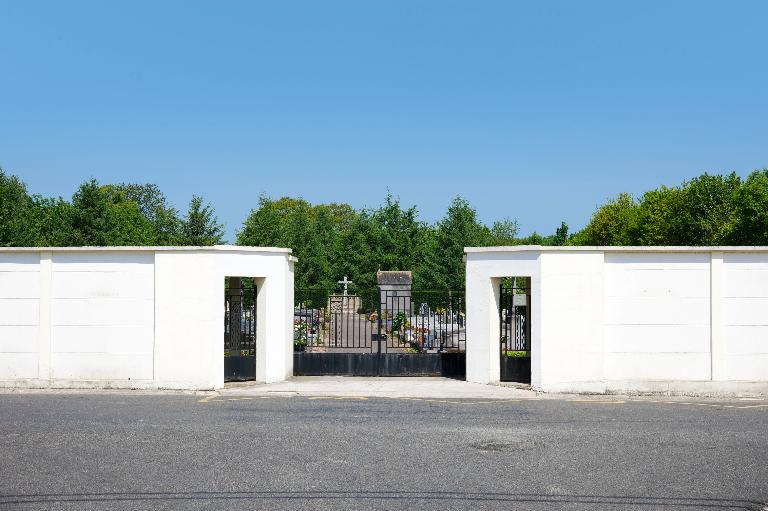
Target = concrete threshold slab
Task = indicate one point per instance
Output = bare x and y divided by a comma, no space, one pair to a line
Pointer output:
431,388
395,387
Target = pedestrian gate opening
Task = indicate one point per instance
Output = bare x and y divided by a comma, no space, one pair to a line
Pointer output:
239,328
515,329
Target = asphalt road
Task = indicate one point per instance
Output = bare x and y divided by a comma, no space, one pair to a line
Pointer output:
148,452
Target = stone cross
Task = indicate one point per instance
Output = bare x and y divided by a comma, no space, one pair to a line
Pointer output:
345,282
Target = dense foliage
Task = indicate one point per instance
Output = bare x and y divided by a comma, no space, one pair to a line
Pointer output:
333,240
121,214
707,210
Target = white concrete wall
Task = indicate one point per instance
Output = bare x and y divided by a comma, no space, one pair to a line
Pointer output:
570,342
19,315
605,319
136,317
186,309
744,326
657,316
102,316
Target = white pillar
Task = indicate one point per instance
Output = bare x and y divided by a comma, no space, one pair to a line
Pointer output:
482,295
274,330
288,325
46,284
717,347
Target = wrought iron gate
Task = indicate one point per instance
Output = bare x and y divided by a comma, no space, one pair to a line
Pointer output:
239,329
515,330
379,332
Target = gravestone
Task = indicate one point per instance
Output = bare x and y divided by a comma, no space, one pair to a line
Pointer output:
395,288
344,303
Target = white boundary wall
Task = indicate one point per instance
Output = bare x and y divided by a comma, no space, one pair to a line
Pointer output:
628,319
136,317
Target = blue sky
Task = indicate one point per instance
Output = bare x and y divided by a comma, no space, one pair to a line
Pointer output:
538,111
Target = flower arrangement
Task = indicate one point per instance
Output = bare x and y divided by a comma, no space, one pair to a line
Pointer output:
299,335
400,324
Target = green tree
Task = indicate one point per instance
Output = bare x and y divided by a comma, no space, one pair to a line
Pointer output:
428,272
282,222
130,227
313,232
396,231
615,223
458,229
90,218
504,232
707,210
97,220
532,239
318,269
657,221
109,215
289,222
384,238
358,252
153,205
51,222
14,212
201,226
561,235
751,211
707,215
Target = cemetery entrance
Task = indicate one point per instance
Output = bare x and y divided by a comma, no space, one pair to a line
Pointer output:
239,328
390,330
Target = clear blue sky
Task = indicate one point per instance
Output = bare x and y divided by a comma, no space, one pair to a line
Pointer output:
537,110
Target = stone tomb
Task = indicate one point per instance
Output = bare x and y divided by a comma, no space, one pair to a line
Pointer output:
395,288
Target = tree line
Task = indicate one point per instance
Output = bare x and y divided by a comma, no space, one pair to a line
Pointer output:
102,215
333,240
711,209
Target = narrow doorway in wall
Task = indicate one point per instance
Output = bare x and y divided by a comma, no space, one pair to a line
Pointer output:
515,329
239,328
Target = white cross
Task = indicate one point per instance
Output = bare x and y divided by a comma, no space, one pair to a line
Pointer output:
345,282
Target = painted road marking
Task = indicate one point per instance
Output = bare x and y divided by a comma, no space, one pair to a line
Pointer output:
455,401
214,398
340,398
596,401
217,398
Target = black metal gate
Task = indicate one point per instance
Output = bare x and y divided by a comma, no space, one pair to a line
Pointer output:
515,330
379,332
239,329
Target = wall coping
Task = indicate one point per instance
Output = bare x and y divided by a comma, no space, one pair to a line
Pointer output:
541,248
214,248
